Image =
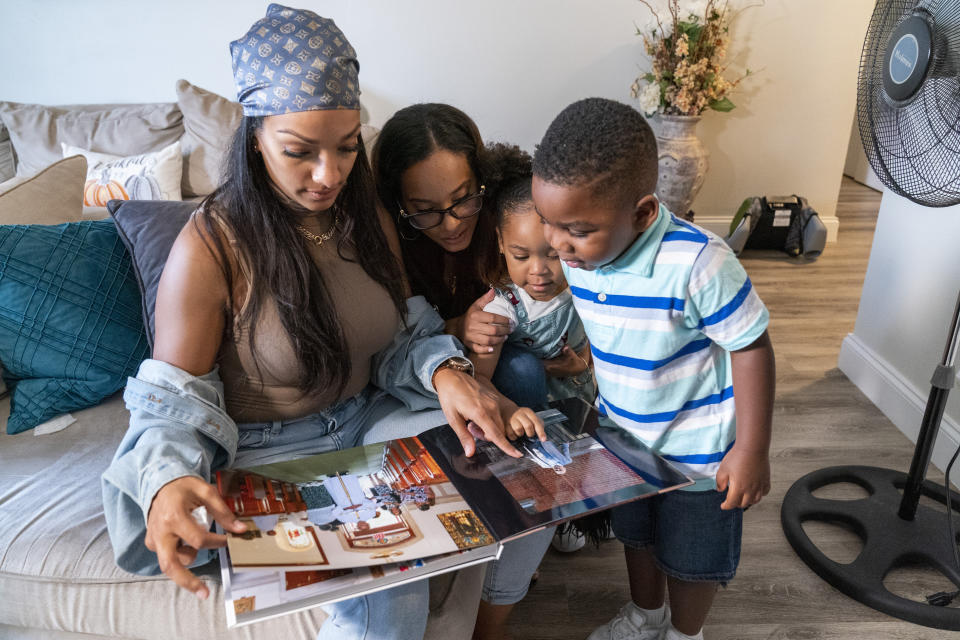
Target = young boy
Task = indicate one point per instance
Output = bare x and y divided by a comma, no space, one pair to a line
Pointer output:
676,330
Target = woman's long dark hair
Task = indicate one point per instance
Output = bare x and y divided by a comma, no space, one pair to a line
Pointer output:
410,136
281,267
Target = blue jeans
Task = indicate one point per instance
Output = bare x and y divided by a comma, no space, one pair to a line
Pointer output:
521,377
370,416
398,613
507,579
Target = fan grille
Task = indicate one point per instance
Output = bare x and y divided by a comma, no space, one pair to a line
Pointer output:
914,147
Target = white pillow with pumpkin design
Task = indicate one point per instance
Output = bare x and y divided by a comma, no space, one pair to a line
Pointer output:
149,176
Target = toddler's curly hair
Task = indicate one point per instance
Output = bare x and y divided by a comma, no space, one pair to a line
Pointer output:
509,172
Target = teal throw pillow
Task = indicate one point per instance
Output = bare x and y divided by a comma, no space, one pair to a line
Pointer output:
71,329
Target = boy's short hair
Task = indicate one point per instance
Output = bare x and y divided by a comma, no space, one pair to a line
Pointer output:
600,142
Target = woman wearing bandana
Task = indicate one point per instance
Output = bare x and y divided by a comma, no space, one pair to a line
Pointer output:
284,325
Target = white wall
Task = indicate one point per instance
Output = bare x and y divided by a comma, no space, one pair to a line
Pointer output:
856,165
511,64
908,298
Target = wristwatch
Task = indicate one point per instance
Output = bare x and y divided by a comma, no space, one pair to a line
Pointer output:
457,363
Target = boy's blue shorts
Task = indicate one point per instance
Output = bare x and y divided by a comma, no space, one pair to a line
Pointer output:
691,538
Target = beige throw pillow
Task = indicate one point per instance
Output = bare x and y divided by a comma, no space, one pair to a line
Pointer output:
37,130
52,196
148,176
209,122
7,161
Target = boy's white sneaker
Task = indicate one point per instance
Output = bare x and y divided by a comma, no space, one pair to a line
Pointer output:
631,624
672,634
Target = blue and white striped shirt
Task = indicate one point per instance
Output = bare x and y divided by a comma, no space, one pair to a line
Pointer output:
662,319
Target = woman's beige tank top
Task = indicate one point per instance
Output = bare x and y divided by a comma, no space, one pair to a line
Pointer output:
267,389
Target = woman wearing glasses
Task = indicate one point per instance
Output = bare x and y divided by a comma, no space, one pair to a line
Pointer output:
435,178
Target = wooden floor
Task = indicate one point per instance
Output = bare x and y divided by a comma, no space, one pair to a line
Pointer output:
821,419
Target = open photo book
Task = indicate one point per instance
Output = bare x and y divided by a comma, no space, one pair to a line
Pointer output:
345,523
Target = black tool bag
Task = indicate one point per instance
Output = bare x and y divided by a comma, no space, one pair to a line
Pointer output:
783,223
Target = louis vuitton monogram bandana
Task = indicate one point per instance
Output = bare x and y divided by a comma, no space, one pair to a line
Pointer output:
294,60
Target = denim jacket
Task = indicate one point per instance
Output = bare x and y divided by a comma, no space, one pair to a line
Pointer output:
179,427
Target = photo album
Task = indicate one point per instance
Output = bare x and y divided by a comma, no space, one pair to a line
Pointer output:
346,523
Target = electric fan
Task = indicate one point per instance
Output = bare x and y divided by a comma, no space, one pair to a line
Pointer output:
908,111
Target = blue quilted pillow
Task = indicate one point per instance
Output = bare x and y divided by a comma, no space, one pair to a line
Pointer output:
71,329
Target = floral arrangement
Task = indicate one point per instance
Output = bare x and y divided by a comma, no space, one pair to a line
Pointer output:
687,53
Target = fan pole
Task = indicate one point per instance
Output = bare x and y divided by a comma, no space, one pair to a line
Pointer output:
944,377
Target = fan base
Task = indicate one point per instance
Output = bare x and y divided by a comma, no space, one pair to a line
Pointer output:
888,540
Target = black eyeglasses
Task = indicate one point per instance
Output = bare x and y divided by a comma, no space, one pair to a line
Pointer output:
466,207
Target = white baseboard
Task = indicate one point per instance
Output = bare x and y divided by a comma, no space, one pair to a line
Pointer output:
720,225
897,398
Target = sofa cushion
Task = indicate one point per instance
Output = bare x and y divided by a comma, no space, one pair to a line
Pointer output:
209,122
148,230
71,329
148,176
124,130
52,196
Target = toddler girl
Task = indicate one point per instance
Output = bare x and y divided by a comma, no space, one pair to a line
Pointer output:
531,291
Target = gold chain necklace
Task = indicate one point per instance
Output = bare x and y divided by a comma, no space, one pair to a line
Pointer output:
326,235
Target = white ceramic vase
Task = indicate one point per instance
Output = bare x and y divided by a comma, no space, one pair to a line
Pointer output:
683,162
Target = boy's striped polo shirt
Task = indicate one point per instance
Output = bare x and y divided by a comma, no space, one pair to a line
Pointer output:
662,319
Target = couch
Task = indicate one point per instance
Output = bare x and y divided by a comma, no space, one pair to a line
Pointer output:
58,579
